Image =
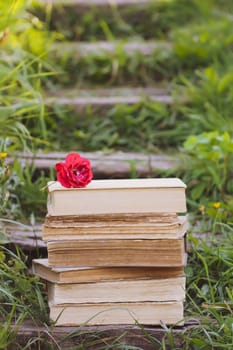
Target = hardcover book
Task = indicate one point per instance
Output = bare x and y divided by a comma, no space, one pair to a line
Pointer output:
145,313
118,196
117,252
125,226
86,274
160,289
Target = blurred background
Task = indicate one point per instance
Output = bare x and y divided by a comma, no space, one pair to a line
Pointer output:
142,88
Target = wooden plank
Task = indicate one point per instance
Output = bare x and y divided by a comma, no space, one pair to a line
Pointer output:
118,164
89,3
80,98
146,338
26,236
100,48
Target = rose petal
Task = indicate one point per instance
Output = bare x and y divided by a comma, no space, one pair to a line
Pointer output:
72,158
75,172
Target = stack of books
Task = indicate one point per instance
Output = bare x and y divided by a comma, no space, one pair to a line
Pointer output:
116,252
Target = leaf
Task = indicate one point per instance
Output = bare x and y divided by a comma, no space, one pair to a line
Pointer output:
198,190
225,83
217,306
190,143
211,75
217,177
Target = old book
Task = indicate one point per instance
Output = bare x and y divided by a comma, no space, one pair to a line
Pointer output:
117,252
118,196
145,313
160,289
149,227
41,268
107,218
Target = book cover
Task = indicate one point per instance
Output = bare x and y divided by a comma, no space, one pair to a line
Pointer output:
86,274
118,196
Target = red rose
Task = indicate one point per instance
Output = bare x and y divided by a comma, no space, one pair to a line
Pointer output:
75,172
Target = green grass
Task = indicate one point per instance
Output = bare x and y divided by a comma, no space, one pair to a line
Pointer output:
211,98
118,128
116,68
154,21
19,290
200,65
209,300
104,23
193,47
209,289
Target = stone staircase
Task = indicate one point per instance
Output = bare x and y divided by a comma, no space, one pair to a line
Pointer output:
110,53
76,97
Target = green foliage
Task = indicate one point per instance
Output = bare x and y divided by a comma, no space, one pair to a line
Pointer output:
18,288
21,295
21,106
210,105
10,12
21,190
209,165
112,68
16,102
20,29
209,267
200,60
9,181
153,20
194,45
7,334
122,126
31,192
209,290
21,75
201,44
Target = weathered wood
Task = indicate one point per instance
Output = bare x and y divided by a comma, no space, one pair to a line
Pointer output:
80,98
26,236
146,338
84,49
90,3
118,164
158,90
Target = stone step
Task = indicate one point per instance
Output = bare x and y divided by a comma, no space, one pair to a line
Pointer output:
100,19
81,98
118,164
115,121
114,63
88,20
90,3
28,237
84,49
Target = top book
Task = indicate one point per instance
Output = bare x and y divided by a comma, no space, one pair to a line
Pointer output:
153,195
